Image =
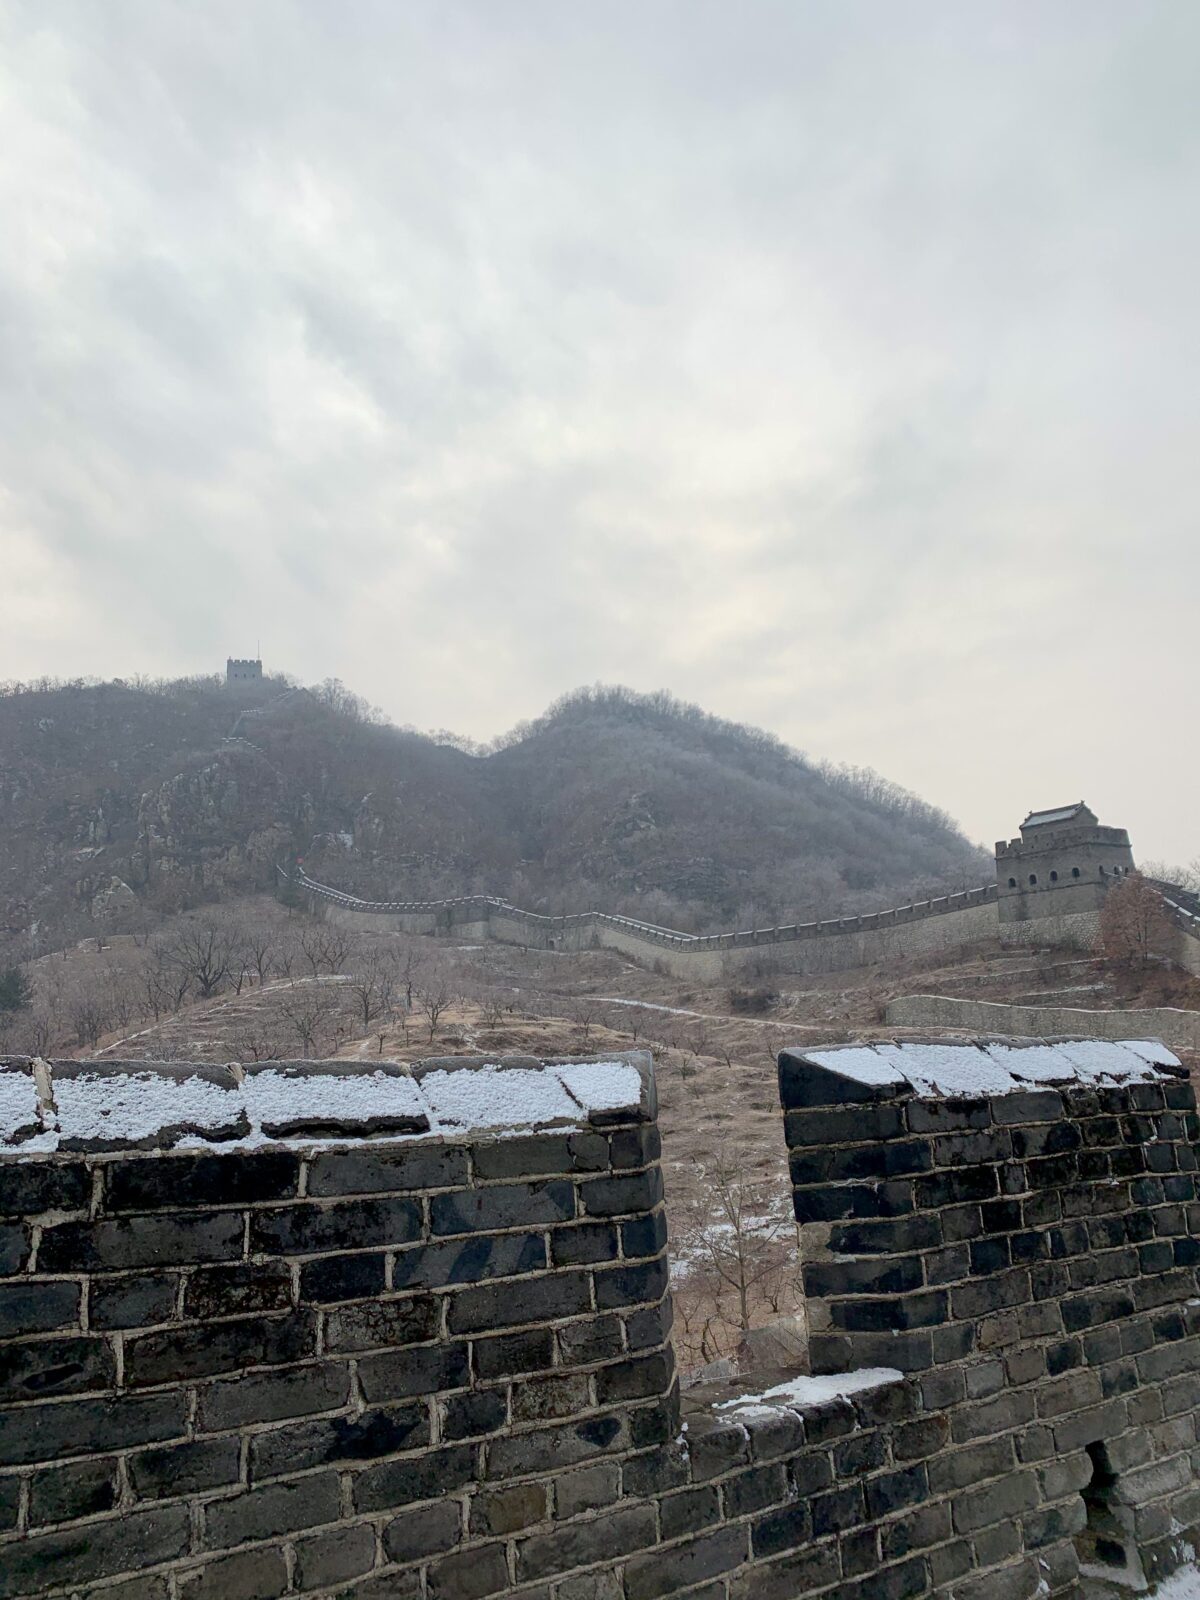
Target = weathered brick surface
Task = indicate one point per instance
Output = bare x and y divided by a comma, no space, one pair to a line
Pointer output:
440,1370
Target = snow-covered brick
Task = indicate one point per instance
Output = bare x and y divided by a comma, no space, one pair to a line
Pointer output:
605,1089
804,1391
1101,1061
20,1115
859,1062
496,1096
145,1105
329,1100
948,1069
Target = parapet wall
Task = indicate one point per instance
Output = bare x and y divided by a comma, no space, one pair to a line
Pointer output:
943,924
1180,1029
314,1354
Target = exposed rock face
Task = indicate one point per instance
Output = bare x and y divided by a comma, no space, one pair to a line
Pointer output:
115,900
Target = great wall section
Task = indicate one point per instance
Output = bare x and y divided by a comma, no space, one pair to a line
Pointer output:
1050,885
404,1334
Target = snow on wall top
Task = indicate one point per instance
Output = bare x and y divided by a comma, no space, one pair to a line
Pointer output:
981,1068
99,1106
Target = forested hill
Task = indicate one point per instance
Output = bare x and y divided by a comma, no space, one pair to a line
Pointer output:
122,801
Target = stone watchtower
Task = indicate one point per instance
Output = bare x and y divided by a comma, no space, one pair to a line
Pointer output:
239,673
1062,865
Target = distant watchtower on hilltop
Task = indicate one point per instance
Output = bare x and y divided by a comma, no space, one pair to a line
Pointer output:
239,673
1063,864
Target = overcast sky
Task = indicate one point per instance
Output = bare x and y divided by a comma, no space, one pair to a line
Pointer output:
834,365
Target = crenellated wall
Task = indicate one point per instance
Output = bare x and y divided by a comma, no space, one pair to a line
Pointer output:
376,1333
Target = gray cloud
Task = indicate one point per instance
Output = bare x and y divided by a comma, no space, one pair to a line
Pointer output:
830,364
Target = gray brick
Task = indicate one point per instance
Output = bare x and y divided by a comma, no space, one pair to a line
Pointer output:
85,1427
649,1576
510,1205
29,1188
372,1171
138,1301
511,1509
271,1396
430,1531
233,1291
97,1550
14,1247
252,1575
579,1544
335,1557
273,1509
59,1365
423,1477
204,1350
78,1489
382,1324
326,1440
32,1306
351,1225
124,1243
474,1260
469,1576
179,1469
427,1369
239,1178
496,1305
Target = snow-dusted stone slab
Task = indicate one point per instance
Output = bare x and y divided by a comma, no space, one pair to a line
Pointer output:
333,1099
612,1089
937,1069
495,1095
144,1105
20,1111
800,1393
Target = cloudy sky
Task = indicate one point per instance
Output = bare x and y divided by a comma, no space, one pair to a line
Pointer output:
832,364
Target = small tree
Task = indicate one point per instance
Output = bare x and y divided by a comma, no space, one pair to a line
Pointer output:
1134,925
15,991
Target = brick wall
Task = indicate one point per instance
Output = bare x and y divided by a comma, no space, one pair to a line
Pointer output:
1031,1256
438,1368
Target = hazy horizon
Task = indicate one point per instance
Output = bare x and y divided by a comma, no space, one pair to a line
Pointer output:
829,365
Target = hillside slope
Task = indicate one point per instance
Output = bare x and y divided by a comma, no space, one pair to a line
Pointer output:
119,801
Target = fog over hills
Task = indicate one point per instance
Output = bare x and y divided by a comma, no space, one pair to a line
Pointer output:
122,801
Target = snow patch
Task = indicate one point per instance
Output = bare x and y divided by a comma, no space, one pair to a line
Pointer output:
807,1391
1183,1585
133,1108
19,1112
497,1097
281,1100
606,1086
858,1062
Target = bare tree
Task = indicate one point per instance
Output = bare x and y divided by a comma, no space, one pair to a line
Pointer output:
740,1232
326,947
258,950
433,998
373,984
312,1012
203,953
1134,926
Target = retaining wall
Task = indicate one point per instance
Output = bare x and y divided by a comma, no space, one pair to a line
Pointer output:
1179,1029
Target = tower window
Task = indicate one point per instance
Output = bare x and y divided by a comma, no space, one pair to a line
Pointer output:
1074,872
1012,883
1054,877
1033,877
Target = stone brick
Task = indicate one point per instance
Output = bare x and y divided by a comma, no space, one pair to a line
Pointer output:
369,1171
400,1374
551,1449
28,1188
469,1416
625,1286
335,1556
332,1278
273,1509
235,1290
59,1365
649,1576
326,1440
38,1307
78,1489
510,1205
635,1379
542,1155
543,1399
142,1300
690,1510
595,1339
381,1324
430,1531
754,1490
15,1241
433,1266
97,1550
468,1576
179,1469
205,1350
578,1544
303,1229
622,1196
422,1477
512,1509
271,1396
170,1181
494,1305
122,1244
253,1575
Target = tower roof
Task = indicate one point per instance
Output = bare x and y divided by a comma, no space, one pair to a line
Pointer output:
1079,812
